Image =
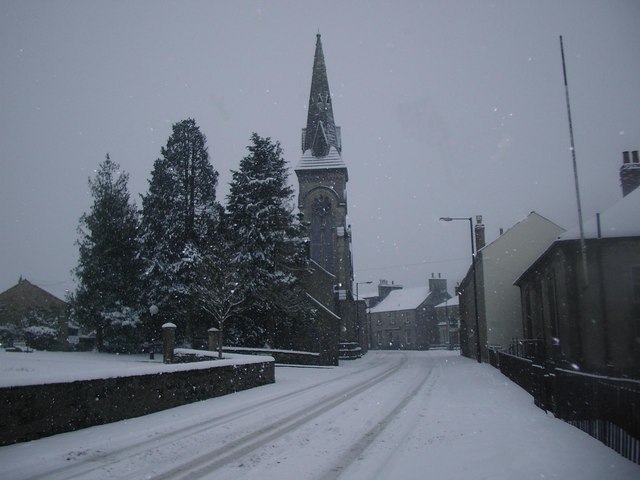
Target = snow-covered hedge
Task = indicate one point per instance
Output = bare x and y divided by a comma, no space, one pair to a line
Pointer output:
41,338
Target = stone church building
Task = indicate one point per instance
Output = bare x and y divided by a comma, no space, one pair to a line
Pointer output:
322,178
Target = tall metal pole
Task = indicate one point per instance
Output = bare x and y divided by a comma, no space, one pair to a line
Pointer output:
583,245
475,294
446,318
475,282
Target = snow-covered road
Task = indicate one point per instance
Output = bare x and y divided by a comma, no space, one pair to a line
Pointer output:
387,415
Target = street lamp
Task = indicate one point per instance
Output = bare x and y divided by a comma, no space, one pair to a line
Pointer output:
475,282
358,316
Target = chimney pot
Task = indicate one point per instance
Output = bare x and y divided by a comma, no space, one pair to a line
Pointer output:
629,172
479,233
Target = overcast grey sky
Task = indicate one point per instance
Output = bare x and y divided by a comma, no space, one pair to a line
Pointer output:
447,109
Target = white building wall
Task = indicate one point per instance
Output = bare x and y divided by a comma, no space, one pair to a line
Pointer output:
503,261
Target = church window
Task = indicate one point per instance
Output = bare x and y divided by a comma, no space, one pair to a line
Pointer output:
322,232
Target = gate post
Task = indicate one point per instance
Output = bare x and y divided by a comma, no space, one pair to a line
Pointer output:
214,339
168,341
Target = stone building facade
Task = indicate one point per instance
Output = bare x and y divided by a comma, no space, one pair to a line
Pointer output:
322,198
589,319
448,315
406,318
497,265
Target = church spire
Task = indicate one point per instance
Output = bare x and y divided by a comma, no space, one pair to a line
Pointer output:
321,133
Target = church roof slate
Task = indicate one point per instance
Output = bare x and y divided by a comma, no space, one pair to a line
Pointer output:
310,162
320,133
321,143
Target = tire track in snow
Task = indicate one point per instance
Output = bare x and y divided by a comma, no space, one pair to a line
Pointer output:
93,462
355,452
207,463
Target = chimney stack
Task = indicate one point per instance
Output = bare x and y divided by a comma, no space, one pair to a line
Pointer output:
479,231
629,172
437,285
385,288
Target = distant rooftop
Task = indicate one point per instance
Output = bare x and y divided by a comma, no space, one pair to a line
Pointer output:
402,299
622,219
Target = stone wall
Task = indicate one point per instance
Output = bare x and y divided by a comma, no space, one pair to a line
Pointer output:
35,411
283,357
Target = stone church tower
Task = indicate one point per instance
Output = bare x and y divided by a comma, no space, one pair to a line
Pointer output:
322,177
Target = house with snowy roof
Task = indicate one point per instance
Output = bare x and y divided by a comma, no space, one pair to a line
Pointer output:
30,312
497,265
405,319
585,311
384,288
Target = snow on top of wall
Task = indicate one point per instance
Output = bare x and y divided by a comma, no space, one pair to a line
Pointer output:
622,219
38,368
402,299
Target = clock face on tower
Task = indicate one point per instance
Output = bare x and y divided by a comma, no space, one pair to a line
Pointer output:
322,206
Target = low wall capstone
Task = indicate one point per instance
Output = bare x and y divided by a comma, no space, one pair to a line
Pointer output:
284,357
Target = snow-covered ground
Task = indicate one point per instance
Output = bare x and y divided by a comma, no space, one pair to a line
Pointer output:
388,415
34,368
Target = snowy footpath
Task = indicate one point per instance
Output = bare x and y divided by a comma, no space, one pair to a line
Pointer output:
388,415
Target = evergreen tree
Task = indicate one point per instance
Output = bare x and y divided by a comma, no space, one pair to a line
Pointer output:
180,220
108,271
268,243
